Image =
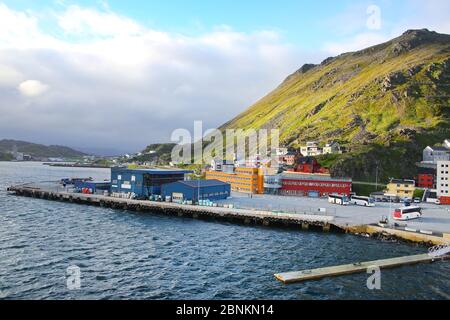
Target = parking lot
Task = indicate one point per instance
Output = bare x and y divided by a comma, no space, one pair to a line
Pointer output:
435,218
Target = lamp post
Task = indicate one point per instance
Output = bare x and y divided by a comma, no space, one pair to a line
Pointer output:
376,176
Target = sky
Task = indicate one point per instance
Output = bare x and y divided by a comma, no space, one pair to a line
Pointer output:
119,75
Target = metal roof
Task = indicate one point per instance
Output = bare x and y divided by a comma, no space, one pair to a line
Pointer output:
312,176
402,181
153,171
439,148
202,183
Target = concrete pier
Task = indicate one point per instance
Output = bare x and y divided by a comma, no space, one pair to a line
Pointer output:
265,218
316,274
248,216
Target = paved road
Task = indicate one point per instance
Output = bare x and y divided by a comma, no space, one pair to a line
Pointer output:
435,218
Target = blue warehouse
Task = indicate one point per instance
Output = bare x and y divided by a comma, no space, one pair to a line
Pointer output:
194,189
143,182
92,187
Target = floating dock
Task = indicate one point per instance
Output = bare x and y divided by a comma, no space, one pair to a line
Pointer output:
316,274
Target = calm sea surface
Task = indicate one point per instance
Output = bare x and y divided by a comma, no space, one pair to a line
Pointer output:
124,255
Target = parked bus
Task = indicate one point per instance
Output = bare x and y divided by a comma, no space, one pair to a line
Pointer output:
407,213
363,201
338,199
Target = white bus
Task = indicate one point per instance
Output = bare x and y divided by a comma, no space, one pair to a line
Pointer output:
407,213
363,201
338,199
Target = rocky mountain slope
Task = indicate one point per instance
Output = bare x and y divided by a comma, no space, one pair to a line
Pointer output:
384,104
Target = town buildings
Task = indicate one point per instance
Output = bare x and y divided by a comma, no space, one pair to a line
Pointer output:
312,149
195,190
401,188
308,165
313,185
443,181
435,154
143,183
426,178
332,148
242,179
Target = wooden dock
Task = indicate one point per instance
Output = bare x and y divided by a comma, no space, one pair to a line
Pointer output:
257,217
316,274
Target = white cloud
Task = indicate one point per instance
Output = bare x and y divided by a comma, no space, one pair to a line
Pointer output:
32,88
126,85
351,32
9,76
87,22
358,42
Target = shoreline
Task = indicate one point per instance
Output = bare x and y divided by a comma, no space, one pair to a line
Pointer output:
303,222
68,165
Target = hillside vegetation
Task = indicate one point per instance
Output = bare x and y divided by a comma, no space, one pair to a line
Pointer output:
384,104
38,150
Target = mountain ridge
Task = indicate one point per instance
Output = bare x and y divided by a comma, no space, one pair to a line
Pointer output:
392,98
38,150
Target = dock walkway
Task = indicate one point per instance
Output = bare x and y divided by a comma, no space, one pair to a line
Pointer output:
245,215
316,274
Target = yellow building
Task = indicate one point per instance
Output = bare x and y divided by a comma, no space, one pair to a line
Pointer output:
401,188
245,180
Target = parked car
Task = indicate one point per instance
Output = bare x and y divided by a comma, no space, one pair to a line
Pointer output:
417,200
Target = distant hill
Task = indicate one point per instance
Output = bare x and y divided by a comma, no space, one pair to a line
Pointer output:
158,152
37,150
384,104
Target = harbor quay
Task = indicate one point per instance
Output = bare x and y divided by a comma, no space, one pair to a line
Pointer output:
433,228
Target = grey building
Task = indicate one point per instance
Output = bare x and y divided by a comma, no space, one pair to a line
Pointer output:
435,154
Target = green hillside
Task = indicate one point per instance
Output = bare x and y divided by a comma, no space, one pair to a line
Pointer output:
384,104
37,150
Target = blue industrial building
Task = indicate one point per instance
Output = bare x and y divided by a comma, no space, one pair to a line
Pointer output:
194,189
143,182
92,186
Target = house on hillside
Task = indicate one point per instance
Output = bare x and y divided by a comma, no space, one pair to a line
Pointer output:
435,154
311,149
332,148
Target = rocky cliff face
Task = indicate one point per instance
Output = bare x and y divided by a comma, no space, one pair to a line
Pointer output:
386,102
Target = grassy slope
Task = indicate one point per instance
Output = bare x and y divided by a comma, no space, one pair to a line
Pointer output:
39,150
337,99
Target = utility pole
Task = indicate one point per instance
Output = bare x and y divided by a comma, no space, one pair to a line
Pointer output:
376,177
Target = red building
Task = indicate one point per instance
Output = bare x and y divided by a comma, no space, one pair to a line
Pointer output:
289,158
314,185
309,165
426,178
444,200
425,181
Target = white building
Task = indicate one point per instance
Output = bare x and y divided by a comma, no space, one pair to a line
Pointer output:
447,143
278,152
435,154
443,181
311,149
332,148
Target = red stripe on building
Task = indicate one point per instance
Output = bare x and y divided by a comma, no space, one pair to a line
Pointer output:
301,186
